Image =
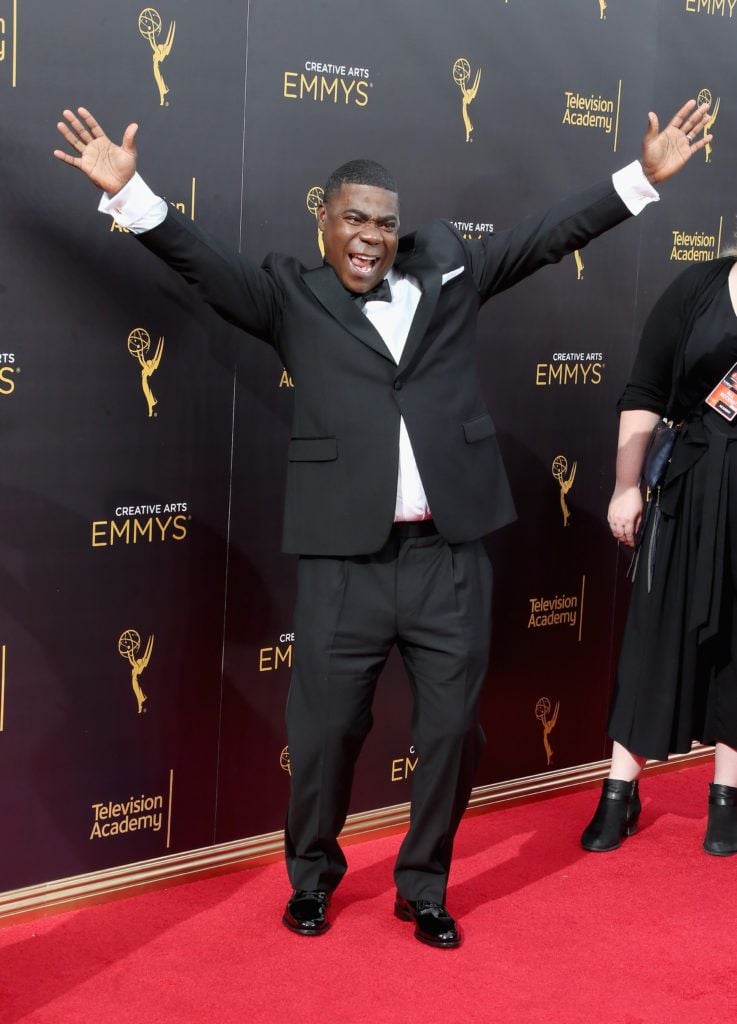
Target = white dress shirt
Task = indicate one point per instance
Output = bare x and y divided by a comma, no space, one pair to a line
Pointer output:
138,209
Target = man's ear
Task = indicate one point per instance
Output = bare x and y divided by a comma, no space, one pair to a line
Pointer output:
321,214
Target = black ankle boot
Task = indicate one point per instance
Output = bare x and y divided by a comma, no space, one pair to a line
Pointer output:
721,828
616,816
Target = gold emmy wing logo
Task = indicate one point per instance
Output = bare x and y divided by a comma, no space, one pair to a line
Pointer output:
579,264
150,25
139,343
602,10
285,761
461,77
705,97
314,198
547,721
129,644
559,470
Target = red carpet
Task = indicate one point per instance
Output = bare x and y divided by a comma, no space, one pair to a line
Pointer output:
552,936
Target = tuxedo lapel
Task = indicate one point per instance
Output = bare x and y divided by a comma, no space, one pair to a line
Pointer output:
420,266
330,293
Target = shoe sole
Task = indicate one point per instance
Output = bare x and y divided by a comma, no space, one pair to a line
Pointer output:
309,932
629,831
719,853
404,915
438,945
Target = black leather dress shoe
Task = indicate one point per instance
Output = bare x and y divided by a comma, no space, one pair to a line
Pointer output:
307,912
433,923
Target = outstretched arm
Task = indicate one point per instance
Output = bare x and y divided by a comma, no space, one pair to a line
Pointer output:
504,258
240,292
107,165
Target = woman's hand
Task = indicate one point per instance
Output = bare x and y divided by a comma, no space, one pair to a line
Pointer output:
625,514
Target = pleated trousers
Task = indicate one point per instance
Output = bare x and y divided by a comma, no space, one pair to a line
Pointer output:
433,600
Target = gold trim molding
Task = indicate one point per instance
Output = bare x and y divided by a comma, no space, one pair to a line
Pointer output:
99,886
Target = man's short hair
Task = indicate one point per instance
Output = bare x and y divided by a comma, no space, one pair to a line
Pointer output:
359,172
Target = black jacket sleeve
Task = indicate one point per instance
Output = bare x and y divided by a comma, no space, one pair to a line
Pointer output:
242,293
500,260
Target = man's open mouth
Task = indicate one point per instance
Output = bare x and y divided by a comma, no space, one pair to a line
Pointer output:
363,264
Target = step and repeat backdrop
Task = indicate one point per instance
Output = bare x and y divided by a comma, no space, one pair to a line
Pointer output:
146,631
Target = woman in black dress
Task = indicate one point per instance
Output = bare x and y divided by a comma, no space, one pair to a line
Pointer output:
677,675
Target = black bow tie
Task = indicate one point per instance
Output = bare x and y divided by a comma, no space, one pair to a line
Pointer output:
379,293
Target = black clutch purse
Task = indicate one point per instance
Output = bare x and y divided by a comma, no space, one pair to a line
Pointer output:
658,452
657,456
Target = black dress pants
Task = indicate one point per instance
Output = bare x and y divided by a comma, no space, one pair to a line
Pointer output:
433,600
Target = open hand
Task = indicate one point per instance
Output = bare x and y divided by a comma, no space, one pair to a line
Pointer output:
108,166
665,153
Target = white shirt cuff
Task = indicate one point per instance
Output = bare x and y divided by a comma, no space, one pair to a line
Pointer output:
135,207
633,188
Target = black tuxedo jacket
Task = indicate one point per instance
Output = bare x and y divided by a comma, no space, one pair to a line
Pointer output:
350,394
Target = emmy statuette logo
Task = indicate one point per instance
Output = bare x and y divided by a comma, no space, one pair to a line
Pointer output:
139,343
547,721
706,97
579,264
285,761
129,644
315,197
461,77
559,470
602,10
150,26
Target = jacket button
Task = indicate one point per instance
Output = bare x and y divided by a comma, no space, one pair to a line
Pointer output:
397,385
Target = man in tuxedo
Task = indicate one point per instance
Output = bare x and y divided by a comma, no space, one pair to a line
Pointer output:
394,475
